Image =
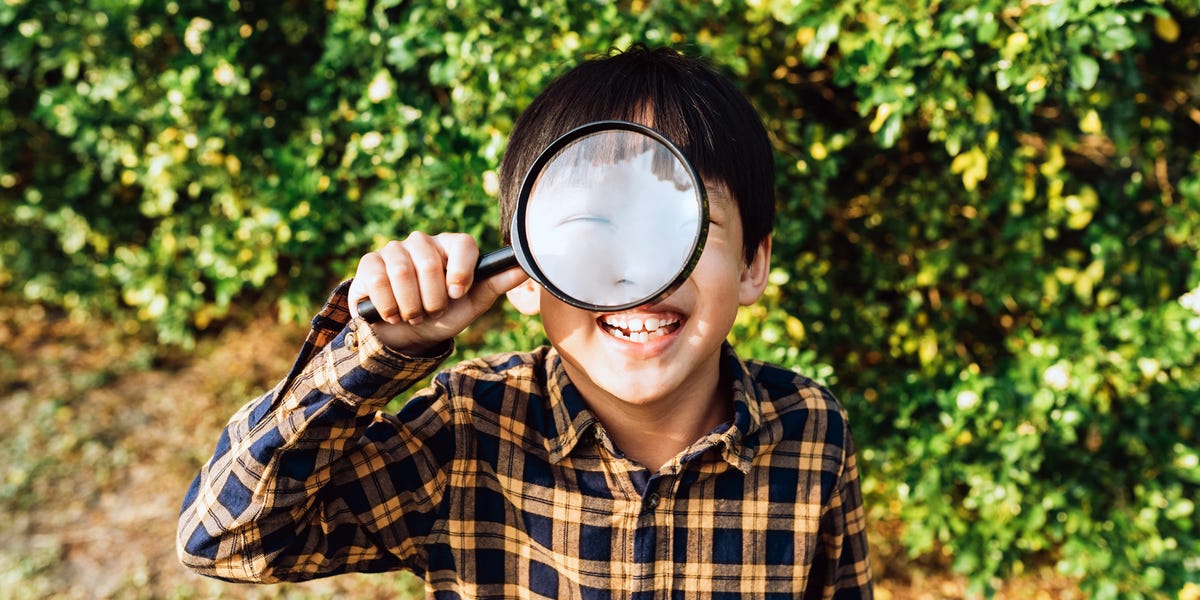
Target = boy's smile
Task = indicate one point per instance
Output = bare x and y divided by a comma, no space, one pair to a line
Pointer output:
640,327
641,334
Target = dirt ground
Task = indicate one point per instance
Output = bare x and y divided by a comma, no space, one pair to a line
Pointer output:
103,432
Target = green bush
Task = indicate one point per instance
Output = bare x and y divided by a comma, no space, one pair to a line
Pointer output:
989,216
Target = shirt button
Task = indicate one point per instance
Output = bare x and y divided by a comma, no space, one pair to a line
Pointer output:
352,341
652,501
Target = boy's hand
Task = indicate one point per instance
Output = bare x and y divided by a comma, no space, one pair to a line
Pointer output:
424,289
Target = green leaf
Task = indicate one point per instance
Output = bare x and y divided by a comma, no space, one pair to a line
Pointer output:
1085,71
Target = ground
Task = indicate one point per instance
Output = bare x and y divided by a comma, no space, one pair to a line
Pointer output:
103,432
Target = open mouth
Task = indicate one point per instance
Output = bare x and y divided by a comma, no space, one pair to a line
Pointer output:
638,329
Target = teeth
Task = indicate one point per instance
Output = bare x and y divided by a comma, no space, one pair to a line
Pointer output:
636,329
636,324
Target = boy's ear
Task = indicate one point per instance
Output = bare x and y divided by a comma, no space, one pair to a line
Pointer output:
527,297
754,276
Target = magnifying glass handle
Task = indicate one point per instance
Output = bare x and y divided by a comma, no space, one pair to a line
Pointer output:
496,261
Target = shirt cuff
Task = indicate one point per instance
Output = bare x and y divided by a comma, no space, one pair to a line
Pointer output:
359,369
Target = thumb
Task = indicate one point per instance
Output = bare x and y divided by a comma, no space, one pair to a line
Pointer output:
485,293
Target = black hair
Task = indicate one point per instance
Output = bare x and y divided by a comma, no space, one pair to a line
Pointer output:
698,109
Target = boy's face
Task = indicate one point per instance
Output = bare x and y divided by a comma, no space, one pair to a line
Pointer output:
668,351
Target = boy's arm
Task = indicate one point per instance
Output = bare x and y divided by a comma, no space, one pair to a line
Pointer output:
271,503
852,576
306,480
841,569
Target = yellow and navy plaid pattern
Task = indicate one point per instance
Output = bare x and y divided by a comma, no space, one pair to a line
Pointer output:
497,482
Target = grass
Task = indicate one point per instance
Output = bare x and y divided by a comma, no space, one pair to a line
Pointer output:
103,431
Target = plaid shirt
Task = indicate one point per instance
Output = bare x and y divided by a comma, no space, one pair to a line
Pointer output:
497,481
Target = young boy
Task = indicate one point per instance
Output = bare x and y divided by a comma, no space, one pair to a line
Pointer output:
606,465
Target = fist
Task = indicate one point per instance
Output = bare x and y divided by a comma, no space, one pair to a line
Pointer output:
424,288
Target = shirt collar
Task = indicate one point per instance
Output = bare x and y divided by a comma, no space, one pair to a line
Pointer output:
573,420
747,411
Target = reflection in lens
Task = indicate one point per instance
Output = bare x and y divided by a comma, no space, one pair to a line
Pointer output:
613,219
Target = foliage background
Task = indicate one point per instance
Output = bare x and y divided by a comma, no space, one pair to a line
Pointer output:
987,245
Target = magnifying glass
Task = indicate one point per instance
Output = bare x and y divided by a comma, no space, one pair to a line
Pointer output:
610,216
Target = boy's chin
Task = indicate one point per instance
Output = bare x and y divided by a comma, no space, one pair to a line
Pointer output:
642,383
639,394
635,383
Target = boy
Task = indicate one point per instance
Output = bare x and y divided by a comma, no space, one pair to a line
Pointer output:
607,465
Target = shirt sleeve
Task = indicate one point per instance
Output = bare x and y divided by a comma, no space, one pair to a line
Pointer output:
845,532
298,486
853,569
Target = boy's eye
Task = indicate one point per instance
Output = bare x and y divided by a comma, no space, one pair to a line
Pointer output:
589,219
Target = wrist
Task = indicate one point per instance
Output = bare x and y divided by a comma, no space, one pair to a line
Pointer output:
403,340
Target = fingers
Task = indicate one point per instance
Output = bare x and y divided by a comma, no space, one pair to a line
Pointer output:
416,278
461,255
429,295
371,281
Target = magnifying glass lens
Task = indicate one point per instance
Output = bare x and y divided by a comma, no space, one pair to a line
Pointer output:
614,219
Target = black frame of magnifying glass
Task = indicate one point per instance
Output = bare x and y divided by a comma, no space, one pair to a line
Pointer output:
505,258
520,237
